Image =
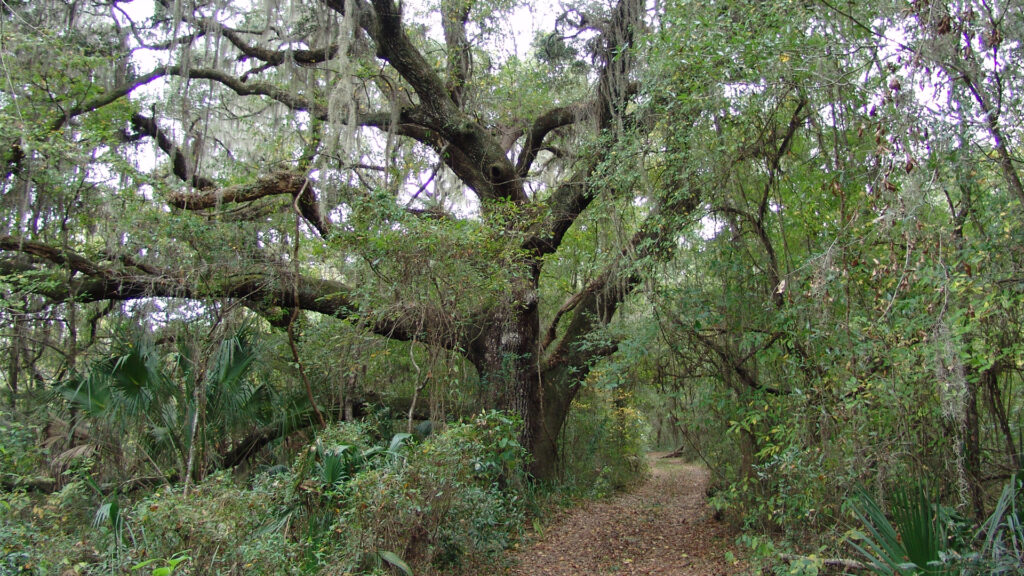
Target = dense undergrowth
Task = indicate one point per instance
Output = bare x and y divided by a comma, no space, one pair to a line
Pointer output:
358,499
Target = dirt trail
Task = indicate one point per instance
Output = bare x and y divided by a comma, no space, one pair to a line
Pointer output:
664,527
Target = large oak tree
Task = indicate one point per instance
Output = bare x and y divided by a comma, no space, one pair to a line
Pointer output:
338,157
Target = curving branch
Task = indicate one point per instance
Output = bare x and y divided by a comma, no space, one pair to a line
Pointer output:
486,169
479,160
571,198
292,100
106,98
270,288
13,157
597,303
276,183
394,46
275,57
283,182
208,26
180,164
544,125
567,202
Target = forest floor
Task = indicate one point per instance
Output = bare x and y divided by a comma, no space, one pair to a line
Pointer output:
663,527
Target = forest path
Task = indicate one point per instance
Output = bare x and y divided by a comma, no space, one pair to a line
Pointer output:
663,527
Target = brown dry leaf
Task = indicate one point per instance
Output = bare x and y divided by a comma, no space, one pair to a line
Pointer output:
617,536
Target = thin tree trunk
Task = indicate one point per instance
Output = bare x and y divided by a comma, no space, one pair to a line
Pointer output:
14,363
995,402
197,403
1010,175
972,450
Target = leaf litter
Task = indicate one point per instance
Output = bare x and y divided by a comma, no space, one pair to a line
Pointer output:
663,527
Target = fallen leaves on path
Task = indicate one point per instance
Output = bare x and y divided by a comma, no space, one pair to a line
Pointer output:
662,528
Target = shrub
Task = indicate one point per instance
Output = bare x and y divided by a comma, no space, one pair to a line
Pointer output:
604,443
455,496
19,456
926,537
350,504
221,524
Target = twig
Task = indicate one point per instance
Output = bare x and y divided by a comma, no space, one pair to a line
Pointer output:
830,562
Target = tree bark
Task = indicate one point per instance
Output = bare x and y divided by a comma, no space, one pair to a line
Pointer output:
998,409
506,356
972,450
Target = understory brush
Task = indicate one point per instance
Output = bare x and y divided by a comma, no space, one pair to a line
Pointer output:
921,535
604,444
351,503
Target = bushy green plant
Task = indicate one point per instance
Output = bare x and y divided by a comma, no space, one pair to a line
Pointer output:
455,496
1002,535
221,523
351,503
913,543
162,566
604,443
19,456
923,536
36,536
20,536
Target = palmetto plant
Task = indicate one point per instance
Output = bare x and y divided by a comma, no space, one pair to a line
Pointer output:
182,401
914,542
1002,534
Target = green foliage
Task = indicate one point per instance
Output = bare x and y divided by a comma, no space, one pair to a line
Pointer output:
396,561
19,456
146,387
924,537
165,566
450,499
914,543
842,315
353,502
220,523
44,535
1002,535
605,441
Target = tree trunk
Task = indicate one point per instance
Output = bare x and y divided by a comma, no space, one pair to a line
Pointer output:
972,450
995,402
559,389
14,362
506,358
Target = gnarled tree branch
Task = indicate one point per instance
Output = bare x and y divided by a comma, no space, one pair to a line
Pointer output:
259,289
180,164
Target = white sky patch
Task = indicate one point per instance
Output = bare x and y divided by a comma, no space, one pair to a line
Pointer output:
709,227
137,10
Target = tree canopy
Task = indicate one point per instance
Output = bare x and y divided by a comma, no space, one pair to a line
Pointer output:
337,158
788,231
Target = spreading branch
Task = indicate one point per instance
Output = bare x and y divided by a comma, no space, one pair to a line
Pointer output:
614,89
290,183
271,287
275,57
180,164
486,169
544,125
597,303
